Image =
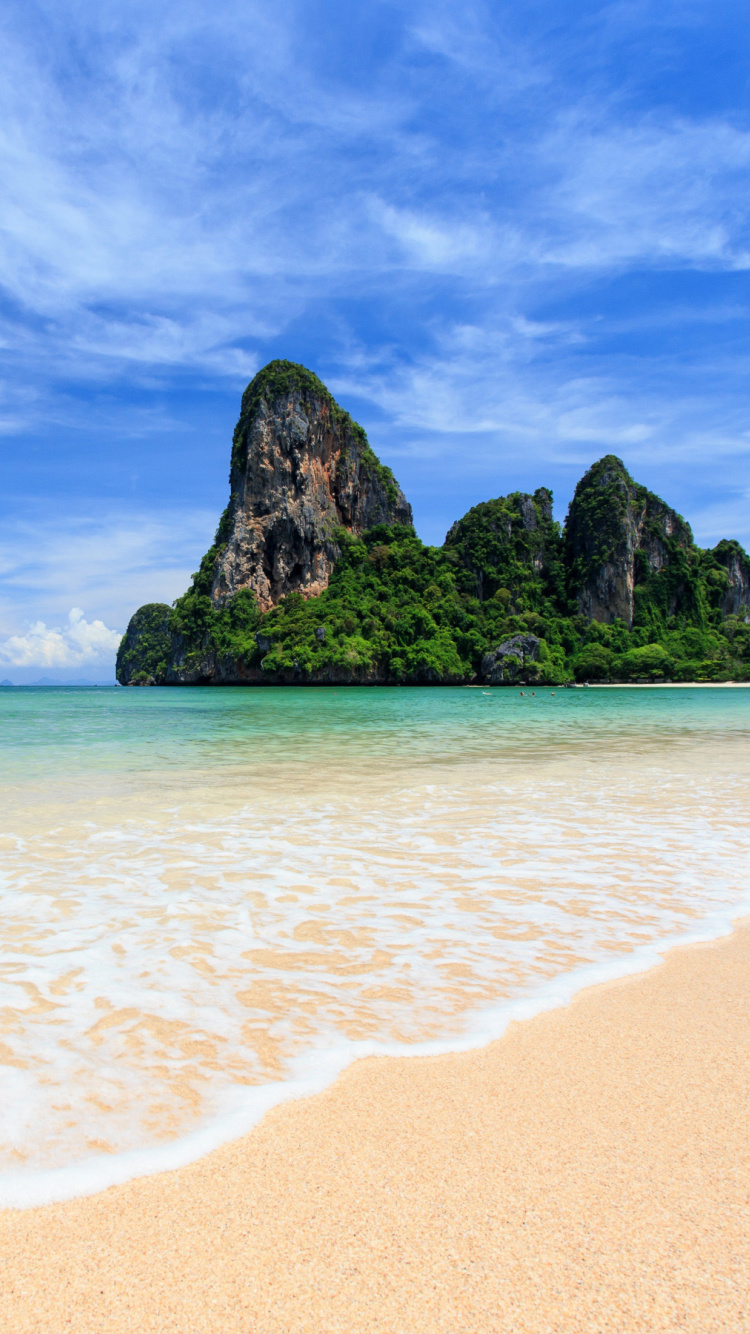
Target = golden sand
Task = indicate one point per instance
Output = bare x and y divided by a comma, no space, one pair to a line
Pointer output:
588,1172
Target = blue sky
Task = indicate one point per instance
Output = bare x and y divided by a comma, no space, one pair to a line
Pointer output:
509,238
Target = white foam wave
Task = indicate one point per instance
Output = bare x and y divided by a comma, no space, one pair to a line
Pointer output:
316,1070
181,954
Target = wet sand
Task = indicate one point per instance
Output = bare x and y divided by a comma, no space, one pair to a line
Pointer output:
588,1172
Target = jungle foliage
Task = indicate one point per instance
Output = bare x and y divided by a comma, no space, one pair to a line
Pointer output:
400,611
145,650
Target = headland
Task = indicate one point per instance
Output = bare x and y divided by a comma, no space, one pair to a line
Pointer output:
317,577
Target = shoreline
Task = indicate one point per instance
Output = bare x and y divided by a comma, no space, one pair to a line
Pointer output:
586,1171
617,685
317,1071
663,685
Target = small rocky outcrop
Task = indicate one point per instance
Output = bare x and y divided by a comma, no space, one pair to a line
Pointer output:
513,660
505,544
301,471
734,590
618,534
146,647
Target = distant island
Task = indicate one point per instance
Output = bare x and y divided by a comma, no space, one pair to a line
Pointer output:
317,577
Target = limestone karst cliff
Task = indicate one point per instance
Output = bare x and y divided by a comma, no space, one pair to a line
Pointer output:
507,544
316,575
731,578
146,647
626,550
617,533
301,470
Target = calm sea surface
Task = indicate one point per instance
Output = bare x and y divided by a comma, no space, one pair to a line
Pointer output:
208,897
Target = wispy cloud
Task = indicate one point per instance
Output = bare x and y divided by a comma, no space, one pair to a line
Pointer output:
115,562
534,391
662,191
159,214
468,222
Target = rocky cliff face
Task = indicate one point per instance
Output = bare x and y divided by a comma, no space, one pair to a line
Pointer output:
317,577
301,471
146,647
507,544
734,591
617,535
514,660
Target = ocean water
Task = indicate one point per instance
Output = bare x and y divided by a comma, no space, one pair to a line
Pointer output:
214,899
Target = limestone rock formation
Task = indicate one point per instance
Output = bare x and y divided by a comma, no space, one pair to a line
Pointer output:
316,576
734,593
301,470
508,543
617,534
513,660
146,646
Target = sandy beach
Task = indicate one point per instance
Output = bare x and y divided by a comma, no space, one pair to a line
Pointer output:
590,1171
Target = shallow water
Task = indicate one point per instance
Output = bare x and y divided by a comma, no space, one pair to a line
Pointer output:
207,895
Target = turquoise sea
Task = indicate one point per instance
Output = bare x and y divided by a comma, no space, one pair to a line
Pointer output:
211,899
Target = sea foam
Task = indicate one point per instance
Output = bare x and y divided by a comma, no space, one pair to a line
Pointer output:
179,955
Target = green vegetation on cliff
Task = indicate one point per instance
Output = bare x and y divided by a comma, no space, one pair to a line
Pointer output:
145,650
511,549
401,611
620,593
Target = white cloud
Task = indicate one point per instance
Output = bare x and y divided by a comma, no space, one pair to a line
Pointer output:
159,214
71,645
188,181
517,384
